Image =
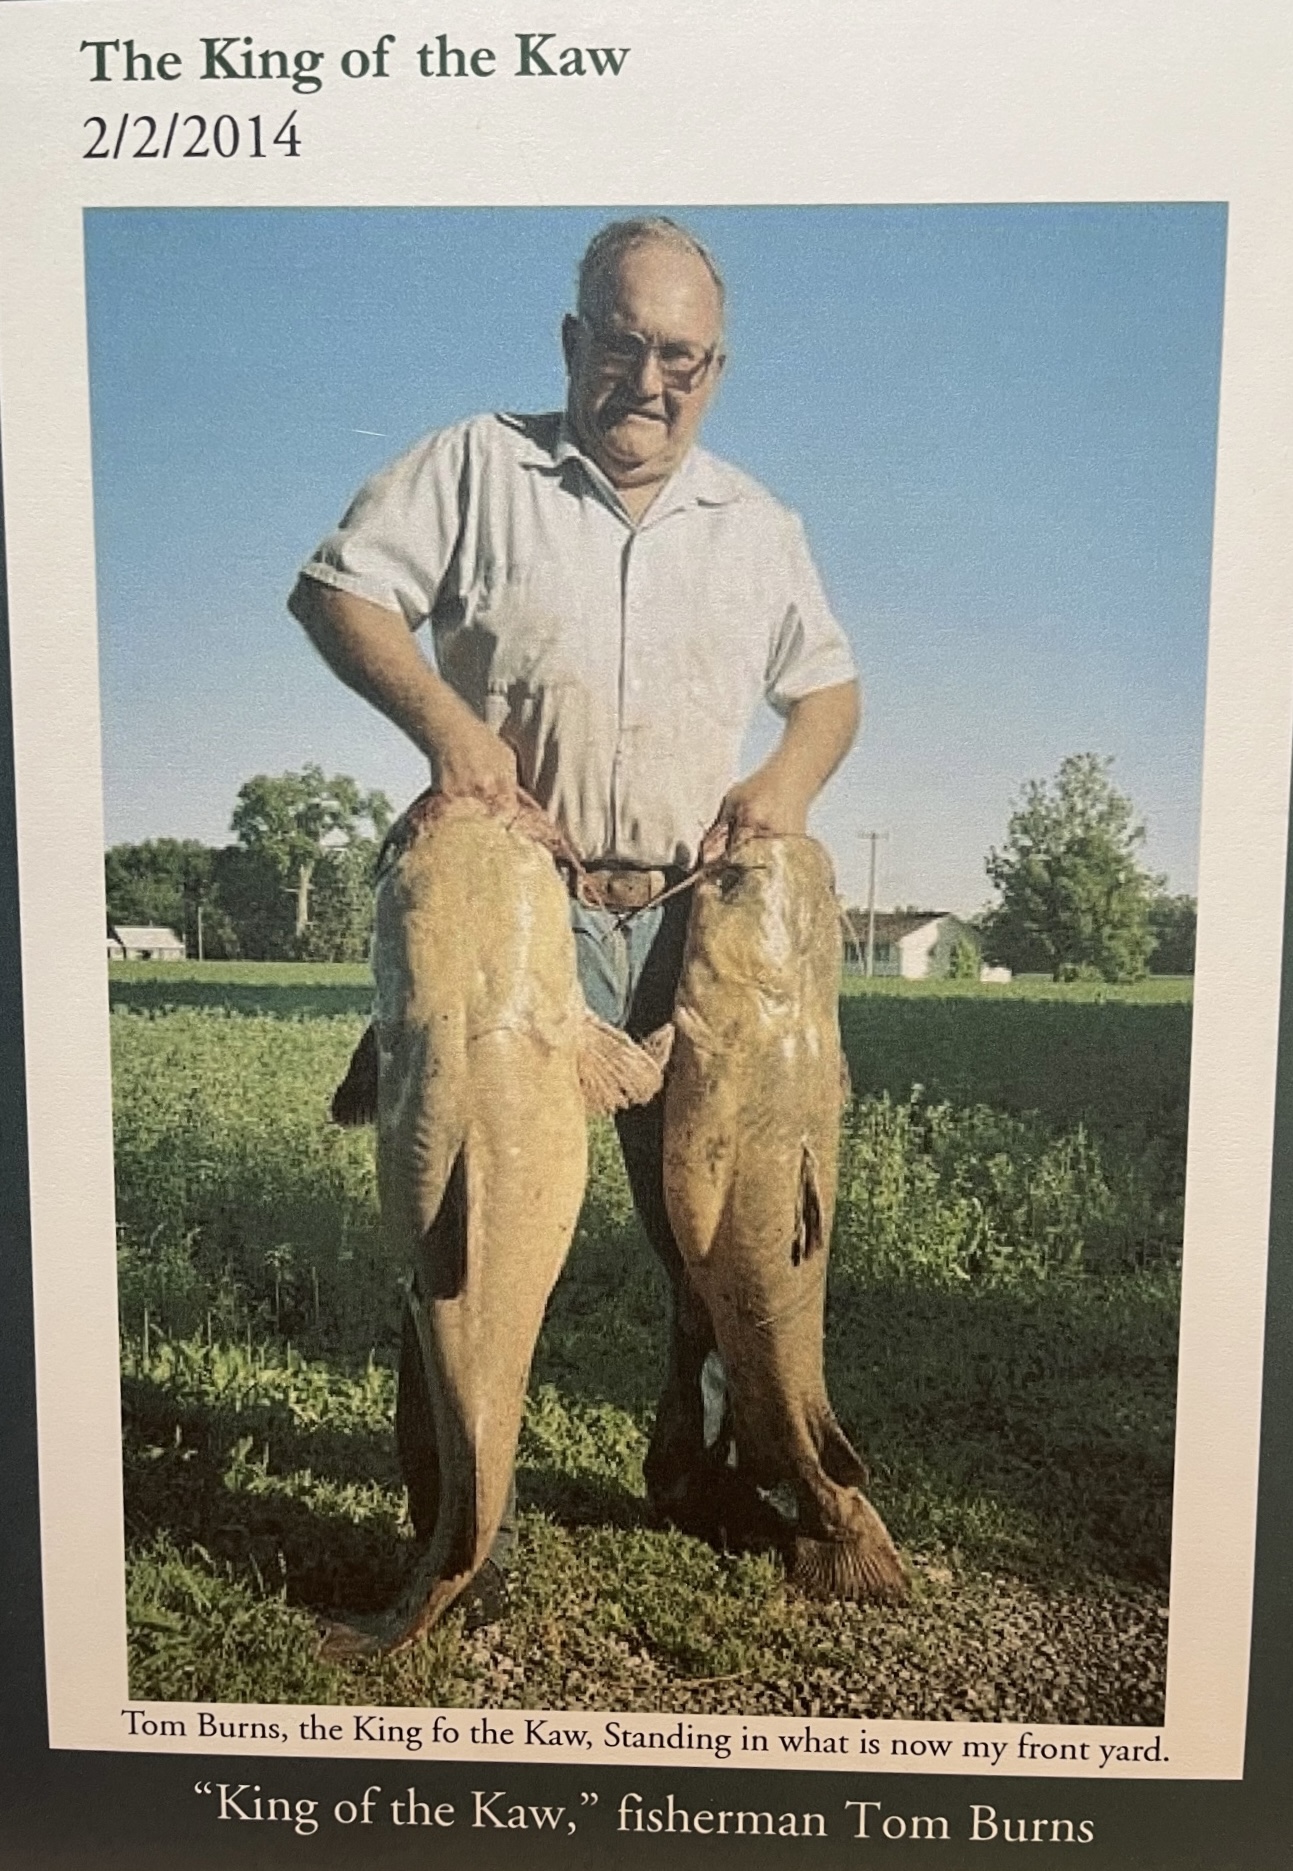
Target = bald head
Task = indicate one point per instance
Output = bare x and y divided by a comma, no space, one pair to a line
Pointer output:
602,256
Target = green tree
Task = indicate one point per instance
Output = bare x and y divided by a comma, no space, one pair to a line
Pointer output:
167,882
292,825
341,905
1075,902
964,962
249,890
1172,923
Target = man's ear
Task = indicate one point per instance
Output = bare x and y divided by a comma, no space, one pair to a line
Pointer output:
569,339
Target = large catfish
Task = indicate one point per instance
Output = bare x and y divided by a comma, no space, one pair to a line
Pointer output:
752,1113
486,1062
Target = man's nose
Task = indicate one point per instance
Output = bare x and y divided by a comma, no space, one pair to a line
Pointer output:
648,379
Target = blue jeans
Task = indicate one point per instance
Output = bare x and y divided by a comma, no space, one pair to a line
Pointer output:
611,955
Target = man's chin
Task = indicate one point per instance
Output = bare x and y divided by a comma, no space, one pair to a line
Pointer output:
636,442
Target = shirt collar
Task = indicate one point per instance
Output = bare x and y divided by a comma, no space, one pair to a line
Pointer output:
699,480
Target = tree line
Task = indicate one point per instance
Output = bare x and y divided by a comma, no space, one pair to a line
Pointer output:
294,885
1075,901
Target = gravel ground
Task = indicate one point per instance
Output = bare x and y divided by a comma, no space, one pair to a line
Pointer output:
967,1646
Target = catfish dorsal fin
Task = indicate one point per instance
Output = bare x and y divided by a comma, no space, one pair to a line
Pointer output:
614,1072
809,1237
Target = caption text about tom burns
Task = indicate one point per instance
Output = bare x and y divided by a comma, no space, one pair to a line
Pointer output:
805,1740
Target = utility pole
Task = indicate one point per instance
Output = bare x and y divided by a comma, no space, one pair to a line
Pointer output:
875,838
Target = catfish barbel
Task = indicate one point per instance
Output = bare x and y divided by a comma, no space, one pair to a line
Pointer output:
751,1151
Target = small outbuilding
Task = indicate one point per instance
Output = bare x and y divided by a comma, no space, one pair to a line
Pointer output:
141,942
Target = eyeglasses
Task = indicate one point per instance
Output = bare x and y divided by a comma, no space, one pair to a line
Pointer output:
626,353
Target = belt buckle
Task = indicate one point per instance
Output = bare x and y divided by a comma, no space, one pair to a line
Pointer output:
624,888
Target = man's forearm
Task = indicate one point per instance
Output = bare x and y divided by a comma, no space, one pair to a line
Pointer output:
819,731
775,798
373,652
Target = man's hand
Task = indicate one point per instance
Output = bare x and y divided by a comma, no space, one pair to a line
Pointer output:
773,801
470,761
769,802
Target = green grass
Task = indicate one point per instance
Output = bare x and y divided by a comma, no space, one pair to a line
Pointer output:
1115,1060
1157,990
1001,1342
284,989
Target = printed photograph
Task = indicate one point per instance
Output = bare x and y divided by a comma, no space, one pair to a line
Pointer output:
651,763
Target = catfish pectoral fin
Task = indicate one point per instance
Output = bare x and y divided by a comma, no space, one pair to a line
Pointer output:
443,1255
838,1456
354,1102
659,1045
614,1072
810,1224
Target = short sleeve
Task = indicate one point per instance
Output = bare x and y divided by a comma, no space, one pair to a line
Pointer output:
809,650
399,533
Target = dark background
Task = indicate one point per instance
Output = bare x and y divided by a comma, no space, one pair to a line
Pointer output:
99,1810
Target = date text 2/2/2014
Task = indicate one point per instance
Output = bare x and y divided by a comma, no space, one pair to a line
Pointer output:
140,137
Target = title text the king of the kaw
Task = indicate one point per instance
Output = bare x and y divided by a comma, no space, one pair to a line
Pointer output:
238,57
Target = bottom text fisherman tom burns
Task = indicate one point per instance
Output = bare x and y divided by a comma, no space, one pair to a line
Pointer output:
867,1819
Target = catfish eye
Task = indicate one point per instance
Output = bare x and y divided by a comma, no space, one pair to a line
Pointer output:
730,879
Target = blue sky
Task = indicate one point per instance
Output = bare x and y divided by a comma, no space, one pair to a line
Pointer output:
997,423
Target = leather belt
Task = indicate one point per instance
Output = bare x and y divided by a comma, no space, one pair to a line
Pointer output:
622,886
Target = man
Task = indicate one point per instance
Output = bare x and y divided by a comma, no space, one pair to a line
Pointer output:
608,605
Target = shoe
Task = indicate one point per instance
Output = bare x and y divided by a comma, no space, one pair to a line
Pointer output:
486,1600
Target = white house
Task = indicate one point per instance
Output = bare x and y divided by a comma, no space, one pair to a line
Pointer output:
916,945
142,943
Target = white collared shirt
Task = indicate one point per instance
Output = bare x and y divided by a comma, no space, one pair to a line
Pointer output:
622,661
